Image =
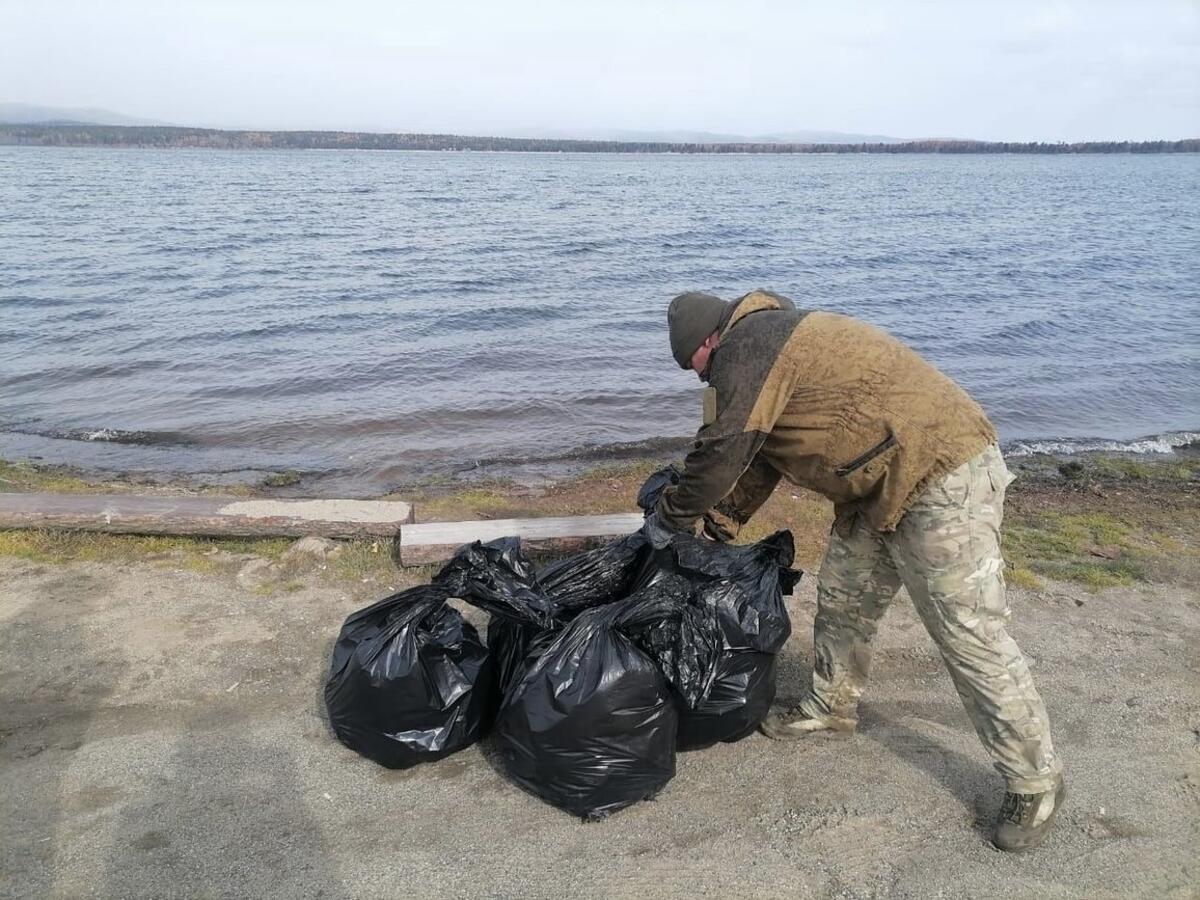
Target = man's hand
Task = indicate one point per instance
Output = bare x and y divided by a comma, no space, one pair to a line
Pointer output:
656,532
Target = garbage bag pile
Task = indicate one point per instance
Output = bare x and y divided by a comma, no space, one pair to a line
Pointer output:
597,669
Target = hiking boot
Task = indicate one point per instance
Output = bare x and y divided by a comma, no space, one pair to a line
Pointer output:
790,724
1025,818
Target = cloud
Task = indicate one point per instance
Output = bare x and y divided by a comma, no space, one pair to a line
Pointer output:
1016,70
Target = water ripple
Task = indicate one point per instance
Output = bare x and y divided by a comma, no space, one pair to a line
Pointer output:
389,315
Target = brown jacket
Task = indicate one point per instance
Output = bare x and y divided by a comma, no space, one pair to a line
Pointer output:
829,403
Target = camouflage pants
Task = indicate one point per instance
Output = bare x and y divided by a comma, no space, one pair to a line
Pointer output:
946,551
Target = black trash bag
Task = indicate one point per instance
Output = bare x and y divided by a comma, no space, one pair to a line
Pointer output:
739,698
688,649
591,725
509,643
744,584
594,577
498,578
741,588
525,604
410,681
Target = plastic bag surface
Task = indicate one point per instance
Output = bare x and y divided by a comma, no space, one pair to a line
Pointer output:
591,725
739,699
594,577
508,643
409,680
498,578
741,588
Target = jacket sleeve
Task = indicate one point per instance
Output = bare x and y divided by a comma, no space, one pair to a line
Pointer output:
726,518
748,403
710,471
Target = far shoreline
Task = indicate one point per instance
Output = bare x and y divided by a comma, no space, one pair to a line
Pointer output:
182,137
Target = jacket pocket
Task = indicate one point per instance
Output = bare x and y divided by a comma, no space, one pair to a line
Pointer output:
863,458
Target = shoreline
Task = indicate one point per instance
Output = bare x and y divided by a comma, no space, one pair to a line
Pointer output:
1098,519
288,481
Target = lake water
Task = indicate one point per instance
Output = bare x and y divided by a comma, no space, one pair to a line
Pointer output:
383,317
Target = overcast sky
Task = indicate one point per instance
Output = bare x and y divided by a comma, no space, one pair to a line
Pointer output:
1009,70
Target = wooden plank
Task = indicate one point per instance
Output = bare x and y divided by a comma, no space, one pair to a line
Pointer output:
429,542
211,516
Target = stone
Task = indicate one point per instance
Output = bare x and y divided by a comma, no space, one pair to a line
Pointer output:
318,548
256,571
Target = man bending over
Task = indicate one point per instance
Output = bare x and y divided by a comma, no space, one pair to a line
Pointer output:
911,464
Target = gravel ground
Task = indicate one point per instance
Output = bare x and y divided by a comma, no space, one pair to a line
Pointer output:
161,735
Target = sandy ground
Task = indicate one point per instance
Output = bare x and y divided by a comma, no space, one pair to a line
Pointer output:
162,736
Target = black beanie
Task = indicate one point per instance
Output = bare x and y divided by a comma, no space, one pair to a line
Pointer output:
691,318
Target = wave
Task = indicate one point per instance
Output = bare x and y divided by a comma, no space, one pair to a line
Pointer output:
118,436
1168,442
652,447
620,450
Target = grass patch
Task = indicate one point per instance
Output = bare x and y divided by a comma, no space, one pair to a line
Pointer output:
47,546
365,566
1076,547
1020,576
1130,468
468,503
598,491
364,561
26,477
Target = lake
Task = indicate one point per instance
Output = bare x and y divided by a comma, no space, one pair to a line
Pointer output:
379,318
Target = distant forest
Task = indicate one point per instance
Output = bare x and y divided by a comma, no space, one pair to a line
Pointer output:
69,135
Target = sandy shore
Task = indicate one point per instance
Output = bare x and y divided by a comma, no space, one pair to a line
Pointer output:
163,734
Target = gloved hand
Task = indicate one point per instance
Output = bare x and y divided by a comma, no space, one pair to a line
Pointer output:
656,532
716,531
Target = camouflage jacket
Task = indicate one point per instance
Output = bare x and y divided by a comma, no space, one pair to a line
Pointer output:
829,403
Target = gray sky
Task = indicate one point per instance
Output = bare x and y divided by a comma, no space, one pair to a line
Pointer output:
1009,70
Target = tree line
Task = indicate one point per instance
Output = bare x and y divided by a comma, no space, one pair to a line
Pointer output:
71,135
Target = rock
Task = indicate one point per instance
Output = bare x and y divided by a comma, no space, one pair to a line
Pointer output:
256,571
315,547
282,479
1070,469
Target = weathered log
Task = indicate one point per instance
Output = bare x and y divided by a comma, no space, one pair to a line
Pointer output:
429,542
209,516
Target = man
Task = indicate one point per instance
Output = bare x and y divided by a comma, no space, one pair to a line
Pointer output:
911,464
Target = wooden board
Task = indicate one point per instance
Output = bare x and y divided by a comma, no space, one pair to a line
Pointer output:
212,516
436,541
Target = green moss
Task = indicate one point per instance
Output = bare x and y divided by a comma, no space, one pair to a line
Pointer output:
1142,469
282,479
